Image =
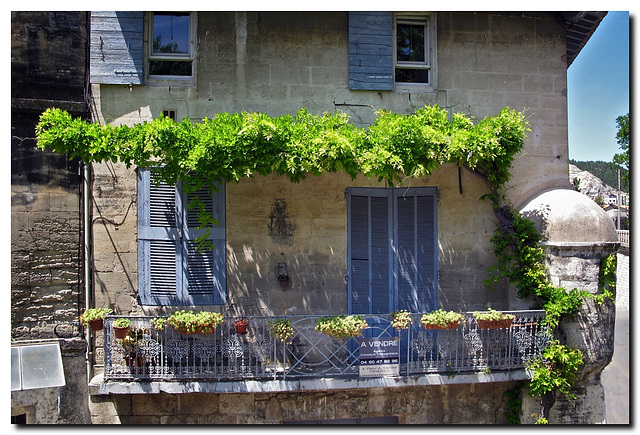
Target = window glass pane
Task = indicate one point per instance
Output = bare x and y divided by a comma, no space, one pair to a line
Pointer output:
412,75
170,33
410,43
169,68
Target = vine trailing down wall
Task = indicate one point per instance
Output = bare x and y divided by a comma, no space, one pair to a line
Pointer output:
233,146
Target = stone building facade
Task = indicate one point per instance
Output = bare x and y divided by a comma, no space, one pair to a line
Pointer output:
277,63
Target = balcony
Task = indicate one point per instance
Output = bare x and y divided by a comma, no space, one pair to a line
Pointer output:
146,354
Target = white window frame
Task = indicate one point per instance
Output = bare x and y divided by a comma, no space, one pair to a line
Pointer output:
150,56
429,22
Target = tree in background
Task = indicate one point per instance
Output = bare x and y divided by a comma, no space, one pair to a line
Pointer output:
576,184
622,159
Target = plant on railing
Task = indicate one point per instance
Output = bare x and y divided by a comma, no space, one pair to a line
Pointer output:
341,326
121,327
159,323
121,322
281,329
441,319
493,319
203,322
94,317
401,319
241,324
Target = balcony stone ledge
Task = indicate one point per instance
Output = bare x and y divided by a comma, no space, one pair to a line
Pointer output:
98,386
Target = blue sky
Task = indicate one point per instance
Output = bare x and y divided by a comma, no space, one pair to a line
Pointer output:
598,90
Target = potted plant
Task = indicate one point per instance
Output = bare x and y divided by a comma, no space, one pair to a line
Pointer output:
121,327
341,326
401,319
493,319
94,318
441,319
203,322
281,329
159,323
241,325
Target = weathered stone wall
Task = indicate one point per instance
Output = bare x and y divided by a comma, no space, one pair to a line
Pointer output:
443,404
47,69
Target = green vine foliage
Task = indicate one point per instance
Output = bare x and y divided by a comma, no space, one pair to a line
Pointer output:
232,146
513,405
556,370
229,147
607,278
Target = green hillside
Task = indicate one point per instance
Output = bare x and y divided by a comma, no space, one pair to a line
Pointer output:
604,171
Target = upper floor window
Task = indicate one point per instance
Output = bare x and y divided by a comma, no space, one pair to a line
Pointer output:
171,49
412,50
391,51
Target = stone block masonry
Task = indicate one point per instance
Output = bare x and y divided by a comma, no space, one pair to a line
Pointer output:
455,403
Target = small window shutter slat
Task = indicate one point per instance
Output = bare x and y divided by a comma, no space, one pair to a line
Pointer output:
162,254
371,51
116,54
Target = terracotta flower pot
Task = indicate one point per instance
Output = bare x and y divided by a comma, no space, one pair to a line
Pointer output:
120,332
494,324
241,326
96,324
452,325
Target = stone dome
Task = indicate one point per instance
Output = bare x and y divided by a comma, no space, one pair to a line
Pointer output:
570,218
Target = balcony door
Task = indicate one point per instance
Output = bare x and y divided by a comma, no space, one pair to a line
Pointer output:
392,249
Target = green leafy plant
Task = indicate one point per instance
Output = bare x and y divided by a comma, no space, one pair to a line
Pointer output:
492,315
159,323
401,319
607,278
232,146
341,326
555,370
513,406
203,322
441,319
93,314
121,322
281,329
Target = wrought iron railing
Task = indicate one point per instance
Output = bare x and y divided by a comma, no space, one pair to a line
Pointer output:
148,354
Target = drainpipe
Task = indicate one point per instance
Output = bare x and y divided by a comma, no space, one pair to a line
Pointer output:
87,260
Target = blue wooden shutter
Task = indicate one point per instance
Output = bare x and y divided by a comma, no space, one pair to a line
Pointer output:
370,233
416,244
172,269
371,51
158,241
116,55
205,268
